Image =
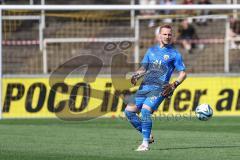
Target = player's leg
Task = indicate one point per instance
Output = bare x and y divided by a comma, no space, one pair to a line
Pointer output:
146,127
150,105
134,106
131,113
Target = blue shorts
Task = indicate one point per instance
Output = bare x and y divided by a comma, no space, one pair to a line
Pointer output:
151,98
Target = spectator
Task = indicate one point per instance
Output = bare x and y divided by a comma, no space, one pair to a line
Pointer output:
2,1
234,32
168,12
187,33
148,12
203,21
188,2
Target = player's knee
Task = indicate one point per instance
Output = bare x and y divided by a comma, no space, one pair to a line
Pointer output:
131,108
147,107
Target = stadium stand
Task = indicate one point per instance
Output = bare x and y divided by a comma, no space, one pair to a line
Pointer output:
25,58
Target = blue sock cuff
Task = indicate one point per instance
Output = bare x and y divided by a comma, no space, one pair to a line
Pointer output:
146,115
145,111
129,113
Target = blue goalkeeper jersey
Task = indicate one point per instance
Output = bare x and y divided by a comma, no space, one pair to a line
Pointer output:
160,64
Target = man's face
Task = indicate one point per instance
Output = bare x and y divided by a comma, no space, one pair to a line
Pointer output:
165,36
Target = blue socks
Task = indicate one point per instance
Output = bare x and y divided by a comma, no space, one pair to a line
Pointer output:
146,124
134,120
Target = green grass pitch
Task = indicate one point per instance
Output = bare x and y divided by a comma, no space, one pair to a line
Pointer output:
115,139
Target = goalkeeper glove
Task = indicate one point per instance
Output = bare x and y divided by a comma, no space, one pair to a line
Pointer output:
135,78
168,89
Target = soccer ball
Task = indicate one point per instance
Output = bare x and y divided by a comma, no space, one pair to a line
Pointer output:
204,112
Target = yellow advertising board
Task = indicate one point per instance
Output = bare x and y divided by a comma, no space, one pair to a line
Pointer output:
38,97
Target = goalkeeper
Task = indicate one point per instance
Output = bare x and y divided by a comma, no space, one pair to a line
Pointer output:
157,67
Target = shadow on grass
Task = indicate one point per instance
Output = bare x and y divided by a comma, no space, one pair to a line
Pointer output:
196,147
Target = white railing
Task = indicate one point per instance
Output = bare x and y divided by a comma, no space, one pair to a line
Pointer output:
121,7
234,2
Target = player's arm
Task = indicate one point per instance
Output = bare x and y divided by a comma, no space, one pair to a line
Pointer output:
168,89
138,74
142,70
181,77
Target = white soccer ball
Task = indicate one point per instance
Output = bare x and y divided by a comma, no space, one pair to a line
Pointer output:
204,112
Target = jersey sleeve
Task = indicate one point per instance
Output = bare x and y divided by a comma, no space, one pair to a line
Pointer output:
179,64
145,60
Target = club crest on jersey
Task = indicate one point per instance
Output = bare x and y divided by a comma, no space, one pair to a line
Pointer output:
166,57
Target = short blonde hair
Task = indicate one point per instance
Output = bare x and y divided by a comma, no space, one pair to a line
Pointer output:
158,29
165,26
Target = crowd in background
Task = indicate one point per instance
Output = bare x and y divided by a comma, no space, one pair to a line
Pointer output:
234,33
187,31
